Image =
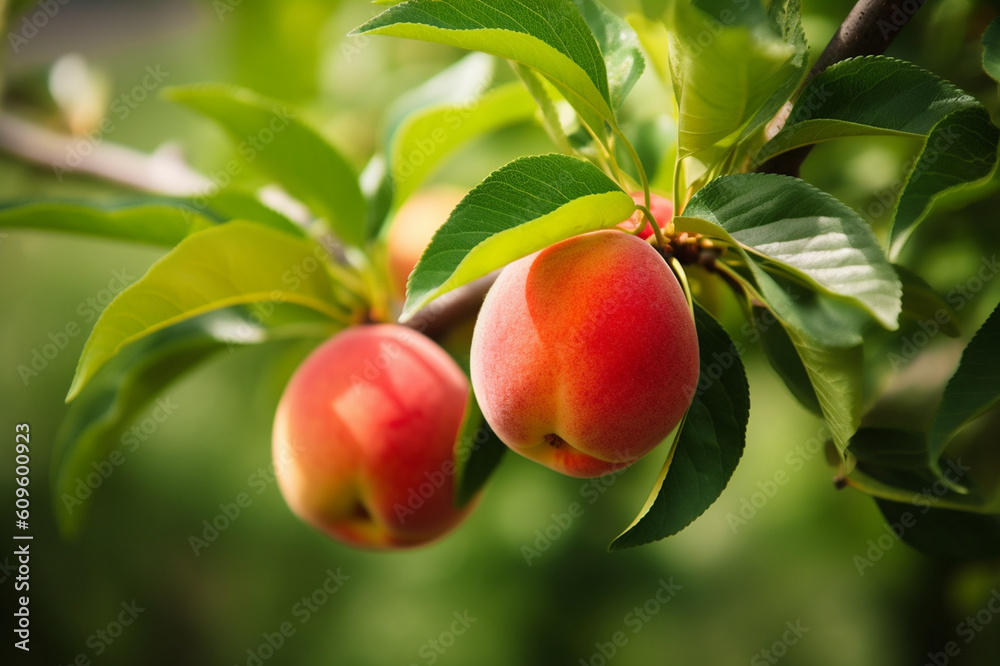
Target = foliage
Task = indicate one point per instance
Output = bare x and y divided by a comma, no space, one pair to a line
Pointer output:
779,244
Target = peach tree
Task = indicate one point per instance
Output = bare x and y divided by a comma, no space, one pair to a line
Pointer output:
718,201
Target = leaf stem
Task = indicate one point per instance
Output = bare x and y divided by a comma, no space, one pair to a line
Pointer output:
644,180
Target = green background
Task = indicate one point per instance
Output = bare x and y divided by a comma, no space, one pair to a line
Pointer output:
794,561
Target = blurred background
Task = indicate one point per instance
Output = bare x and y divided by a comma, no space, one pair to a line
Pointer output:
769,574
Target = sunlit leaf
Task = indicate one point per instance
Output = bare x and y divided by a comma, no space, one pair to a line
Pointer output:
550,36
428,137
521,208
272,138
154,224
231,264
109,412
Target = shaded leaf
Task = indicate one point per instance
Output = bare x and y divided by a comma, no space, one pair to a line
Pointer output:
880,96
991,49
974,388
709,446
922,303
478,451
732,84
623,59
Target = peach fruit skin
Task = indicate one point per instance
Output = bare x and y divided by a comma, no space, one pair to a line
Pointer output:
364,435
585,355
414,226
661,207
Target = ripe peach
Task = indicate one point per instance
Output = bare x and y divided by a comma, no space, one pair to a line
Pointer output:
662,209
413,227
585,355
364,436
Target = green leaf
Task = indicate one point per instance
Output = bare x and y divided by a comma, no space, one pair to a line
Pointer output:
652,35
289,151
619,44
545,97
837,377
922,303
784,358
805,234
897,465
156,224
100,419
478,451
825,334
975,386
880,96
730,64
956,535
234,204
787,17
550,36
461,83
867,96
991,49
231,264
428,137
710,444
961,150
815,316
521,208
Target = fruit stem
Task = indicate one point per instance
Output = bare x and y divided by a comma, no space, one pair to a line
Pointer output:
682,278
649,219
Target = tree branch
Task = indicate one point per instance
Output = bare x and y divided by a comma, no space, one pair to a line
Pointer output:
163,172
868,29
438,318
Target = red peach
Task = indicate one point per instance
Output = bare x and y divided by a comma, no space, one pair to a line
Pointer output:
364,438
585,355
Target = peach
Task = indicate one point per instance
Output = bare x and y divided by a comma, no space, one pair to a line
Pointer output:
364,438
662,209
413,227
585,355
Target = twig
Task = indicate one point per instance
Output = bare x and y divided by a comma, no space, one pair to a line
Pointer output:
438,318
868,30
163,172
4,8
